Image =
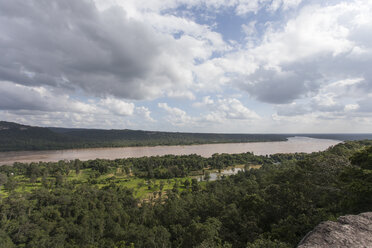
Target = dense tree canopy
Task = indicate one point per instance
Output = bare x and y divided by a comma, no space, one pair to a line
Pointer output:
274,206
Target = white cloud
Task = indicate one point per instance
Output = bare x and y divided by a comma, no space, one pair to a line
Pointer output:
90,62
176,116
351,107
244,7
315,31
145,113
213,114
104,52
206,101
232,108
181,94
116,106
250,28
342,99
225,109
320,45
16,97
39,105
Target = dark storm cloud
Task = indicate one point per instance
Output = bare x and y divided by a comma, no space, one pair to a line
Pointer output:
320,46
70,44
292,110
15,97
271,86
303,109
304,78
365,105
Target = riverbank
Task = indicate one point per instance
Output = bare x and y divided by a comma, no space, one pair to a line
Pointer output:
292,145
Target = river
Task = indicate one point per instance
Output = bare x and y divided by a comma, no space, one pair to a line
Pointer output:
294,144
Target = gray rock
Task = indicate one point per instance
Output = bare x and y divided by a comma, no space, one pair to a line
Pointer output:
348,231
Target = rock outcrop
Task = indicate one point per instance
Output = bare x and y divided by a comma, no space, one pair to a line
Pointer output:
348,231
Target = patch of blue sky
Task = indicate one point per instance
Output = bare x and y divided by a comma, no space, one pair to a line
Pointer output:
81,96
226,22
178,34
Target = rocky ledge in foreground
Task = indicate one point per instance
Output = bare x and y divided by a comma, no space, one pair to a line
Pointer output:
348,231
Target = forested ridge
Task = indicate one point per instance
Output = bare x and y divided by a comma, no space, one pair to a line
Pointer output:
274,206
17,137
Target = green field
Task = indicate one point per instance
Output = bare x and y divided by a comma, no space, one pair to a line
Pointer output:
143,189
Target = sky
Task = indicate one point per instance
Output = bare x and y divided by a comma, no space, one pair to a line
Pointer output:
226,66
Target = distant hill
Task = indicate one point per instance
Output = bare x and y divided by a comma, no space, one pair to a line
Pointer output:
338,136
16,137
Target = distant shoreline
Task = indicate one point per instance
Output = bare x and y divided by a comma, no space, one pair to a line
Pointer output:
292,145
336,137
18,137
144,145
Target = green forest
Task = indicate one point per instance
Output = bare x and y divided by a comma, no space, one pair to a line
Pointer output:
17,137
273,201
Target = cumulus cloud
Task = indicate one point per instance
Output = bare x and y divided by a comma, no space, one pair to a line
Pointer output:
117,106
338,100
16,97
321,45
247,6
250,28
81,61
206,101
221,111
277,86
144,113
225,109
74,45
176,116
40,105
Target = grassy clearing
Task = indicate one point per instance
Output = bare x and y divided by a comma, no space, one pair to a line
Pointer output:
142,188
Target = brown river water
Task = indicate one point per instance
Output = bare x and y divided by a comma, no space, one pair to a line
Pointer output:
294,144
